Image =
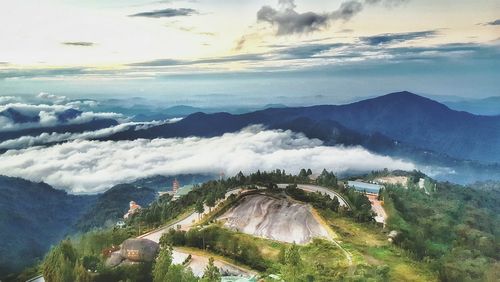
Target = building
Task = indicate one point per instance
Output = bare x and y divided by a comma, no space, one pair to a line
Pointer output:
365,187
175,186
133,208
120,224
238,279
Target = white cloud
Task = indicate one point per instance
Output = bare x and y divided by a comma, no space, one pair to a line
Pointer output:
8,99
47,115
54,137
51,97
94,166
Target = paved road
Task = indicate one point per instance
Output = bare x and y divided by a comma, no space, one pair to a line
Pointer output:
198,262
315,188
185,223
38,278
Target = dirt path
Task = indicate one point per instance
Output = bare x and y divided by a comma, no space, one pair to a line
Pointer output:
332,238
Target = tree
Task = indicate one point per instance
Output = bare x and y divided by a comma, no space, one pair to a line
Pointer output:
162,265
60,263
179,273
240,177
335,204
379,196
303,173
210,201
199,208
293,269
81,273
327,179
309,171
212,273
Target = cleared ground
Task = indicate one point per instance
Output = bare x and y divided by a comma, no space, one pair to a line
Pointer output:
381,216
402,180
273,218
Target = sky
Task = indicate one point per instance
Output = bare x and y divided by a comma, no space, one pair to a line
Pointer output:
255,51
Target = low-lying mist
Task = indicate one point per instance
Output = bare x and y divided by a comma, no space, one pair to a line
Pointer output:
83,166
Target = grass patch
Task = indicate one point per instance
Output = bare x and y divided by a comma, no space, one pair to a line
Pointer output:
368,245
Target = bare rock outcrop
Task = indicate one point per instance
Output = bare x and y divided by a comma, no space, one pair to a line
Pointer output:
134,250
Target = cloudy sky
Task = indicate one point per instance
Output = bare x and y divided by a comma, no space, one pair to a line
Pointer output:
336,48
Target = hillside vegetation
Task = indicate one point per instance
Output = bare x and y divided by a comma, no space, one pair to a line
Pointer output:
445,232
455,229
34,216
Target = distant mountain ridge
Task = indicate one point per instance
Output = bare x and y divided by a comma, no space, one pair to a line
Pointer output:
403,116
64,128
487,106
33,216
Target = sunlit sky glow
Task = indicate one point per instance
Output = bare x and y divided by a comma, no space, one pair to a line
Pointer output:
446,47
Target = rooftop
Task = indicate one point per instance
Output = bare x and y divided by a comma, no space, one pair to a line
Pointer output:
363,186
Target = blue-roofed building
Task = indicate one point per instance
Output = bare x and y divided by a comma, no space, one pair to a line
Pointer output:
238,279
365,187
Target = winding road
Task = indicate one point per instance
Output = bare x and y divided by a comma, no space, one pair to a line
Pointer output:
324,190
199,261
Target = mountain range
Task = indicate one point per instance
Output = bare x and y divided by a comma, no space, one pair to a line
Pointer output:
398,118
487,106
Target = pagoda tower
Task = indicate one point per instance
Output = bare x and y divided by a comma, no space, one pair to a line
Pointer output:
175,186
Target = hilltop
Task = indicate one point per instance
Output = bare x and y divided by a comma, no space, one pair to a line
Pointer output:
423,239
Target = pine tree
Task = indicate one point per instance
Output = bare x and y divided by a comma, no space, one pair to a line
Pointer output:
199,208
292,270
162,264
59,264
178,273
210,201
81,273
212,273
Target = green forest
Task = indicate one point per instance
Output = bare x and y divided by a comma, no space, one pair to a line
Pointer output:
445,232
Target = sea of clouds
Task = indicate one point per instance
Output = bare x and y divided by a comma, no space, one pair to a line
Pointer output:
54,137
83,166
46,107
